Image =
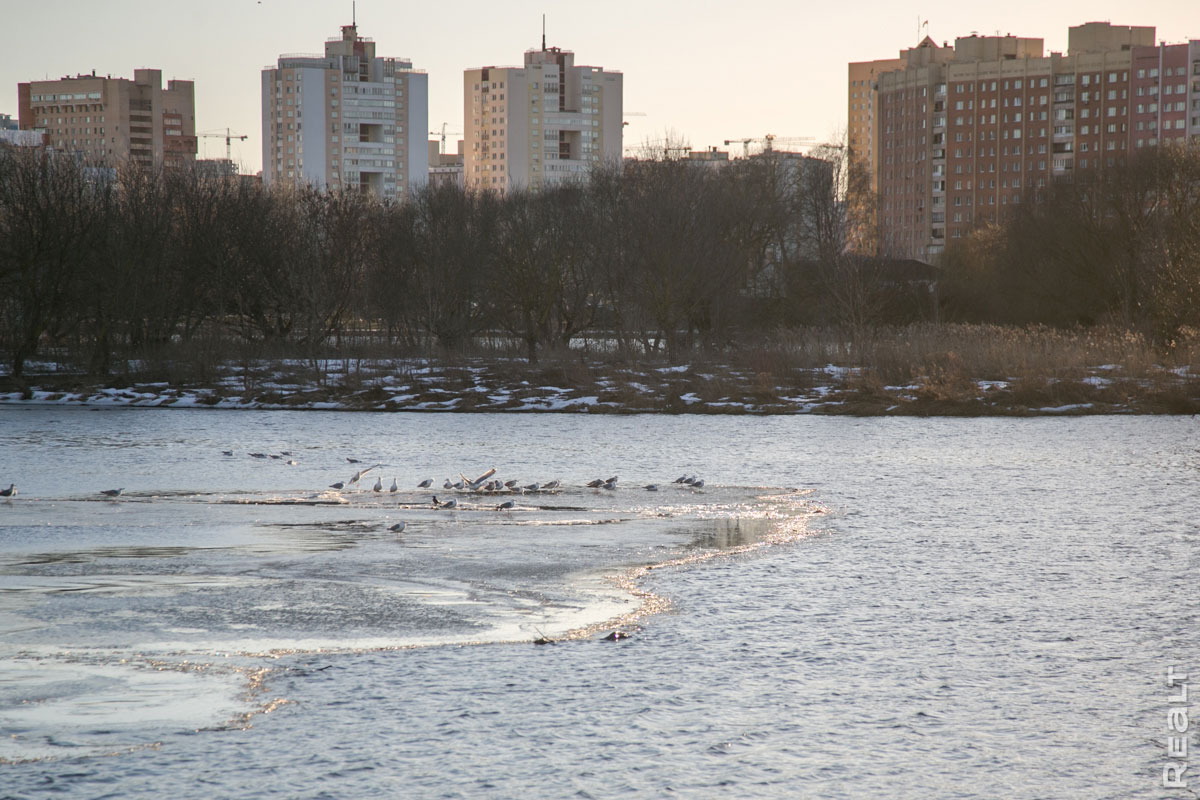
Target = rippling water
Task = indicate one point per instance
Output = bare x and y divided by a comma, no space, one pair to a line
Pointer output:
849,608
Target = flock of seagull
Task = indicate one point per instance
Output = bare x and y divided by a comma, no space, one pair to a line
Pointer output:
11,492
485,484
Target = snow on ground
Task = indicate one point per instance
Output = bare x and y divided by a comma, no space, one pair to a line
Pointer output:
419,386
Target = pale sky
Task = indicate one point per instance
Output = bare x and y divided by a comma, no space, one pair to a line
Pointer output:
704,72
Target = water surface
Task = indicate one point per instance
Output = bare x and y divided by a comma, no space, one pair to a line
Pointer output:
987,609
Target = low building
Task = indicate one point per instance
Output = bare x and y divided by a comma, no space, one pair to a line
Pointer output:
445,168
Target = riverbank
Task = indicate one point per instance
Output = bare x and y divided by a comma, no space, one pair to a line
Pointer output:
578,386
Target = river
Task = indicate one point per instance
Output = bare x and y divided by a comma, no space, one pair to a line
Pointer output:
857,608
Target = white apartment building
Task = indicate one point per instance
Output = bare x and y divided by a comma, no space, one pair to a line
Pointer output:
346,120
546,122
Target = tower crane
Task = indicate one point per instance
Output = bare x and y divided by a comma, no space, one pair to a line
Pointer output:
228,136
768,142
443,136
771,139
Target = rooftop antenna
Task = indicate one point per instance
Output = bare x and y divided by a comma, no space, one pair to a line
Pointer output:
354,13
543,33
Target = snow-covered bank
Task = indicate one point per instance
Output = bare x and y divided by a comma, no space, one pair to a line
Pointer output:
501,385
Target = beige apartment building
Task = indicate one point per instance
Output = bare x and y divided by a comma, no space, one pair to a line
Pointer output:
967,133
112,121
347,119
861,132
542,123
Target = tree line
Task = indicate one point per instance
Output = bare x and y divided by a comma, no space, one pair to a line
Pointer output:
664,256
1117,247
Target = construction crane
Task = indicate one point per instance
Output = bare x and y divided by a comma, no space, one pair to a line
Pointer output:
228,136
443,136
771,139
768,142
663,146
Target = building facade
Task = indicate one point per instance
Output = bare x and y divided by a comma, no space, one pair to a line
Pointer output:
113,121
967,133
346,120
862,98
542,123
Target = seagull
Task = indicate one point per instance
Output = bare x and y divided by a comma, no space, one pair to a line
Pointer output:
596,484
613,479
533,487
698,484
226,452
505,506
111,492
352,460
689,481
610,484
398,527
475,484
11,491
378,487
275,456
651,487
680,479
258,455
395,487
511,484
362,472
339,485
554,484
425,484
447,484
285,453
451,503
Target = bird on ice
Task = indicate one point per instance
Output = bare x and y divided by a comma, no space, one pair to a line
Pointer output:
111,492
505,506
425,484
398,527
451,503
596,484
339,485
395,487
11,491
378,487
699,484
651,487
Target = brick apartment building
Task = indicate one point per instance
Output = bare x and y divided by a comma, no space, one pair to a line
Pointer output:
964,134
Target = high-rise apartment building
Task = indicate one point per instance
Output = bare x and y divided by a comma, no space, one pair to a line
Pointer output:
968,132
346,120
545,122
861,131
112,121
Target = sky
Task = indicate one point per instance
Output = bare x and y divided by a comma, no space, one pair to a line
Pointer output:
693,71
